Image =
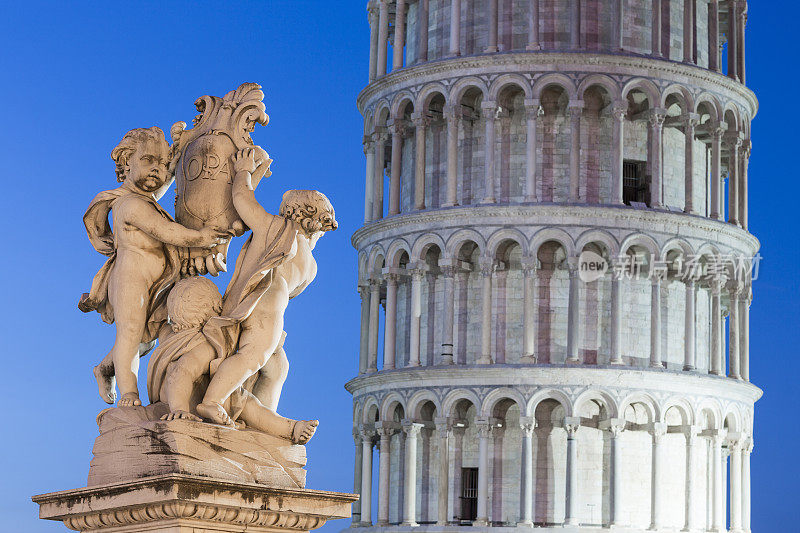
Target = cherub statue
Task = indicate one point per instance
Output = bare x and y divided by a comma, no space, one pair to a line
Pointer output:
178,372
275,265
143,259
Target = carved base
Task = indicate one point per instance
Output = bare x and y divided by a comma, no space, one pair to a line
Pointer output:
176,503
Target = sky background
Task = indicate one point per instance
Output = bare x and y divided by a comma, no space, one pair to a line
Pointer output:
75,77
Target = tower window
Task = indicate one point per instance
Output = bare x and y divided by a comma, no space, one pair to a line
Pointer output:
469,494
634,182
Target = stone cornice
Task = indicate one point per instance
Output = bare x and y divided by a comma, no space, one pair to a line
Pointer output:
548,62
563,216
195,500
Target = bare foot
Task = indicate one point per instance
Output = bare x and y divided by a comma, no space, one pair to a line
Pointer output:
303,431
215,413
129,399
105,383
178,414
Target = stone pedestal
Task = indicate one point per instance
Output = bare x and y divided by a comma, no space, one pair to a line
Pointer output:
177,503
182,476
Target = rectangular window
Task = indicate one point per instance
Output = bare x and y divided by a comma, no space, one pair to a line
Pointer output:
469,494
634,183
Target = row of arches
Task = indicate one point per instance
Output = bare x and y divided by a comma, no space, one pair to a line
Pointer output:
511,299
697,32
557,141
552,458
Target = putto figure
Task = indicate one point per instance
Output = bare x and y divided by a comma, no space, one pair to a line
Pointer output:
143,261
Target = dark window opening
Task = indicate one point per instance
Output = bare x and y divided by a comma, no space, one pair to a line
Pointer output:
635,187
469,494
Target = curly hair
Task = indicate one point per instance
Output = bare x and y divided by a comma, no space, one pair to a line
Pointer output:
192,301
311,209
123,151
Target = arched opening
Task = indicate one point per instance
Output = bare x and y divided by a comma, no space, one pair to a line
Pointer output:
464,499
552,302
555,161
596,143
467,290
510,147
595,301
507,295
471,146
550,463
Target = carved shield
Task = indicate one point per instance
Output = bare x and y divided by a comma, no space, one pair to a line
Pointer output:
201,159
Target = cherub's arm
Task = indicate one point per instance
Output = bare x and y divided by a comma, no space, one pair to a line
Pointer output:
244,198
141,214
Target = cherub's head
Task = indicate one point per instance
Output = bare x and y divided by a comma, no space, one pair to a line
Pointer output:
310,209
192,301
142,157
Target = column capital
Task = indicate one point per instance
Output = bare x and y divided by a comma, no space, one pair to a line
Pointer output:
658,430
452,113
357,435
484,426
420,120
575,108
444,425
398,127
384,430
533,108
718,436
527,424
691,432
530,265
748,446
619,109
449,267
735,440
417,269
717,129
490,109
657,117
746,148
392,274
411,428
735,288
615,426
571,425
733,139
375,282
486,266
690,120
367,432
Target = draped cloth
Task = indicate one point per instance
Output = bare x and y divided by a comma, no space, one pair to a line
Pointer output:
102,238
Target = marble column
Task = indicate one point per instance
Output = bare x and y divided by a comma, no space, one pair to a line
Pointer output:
417,274
744,333
575,25
366,477
533,112
399,34
735,451
620,25
717,360
616,320
615,427
484,434
575,111
377,174
392,276
527,424
455,28
724,454
384,469
689,10
529,308
492,17
359,460
363,352
374,308
372,16
411,430
487,269
734,293
732,32
713,35
420,128
655,323
741,51
571,425
573,313
369,152
618,112
716,169
383,37
655,47
449,271
734,144
744,160
452,116
656,489
657,117
443,430
533,26
689,326
746,451
489,110
422,27
692,514
398,134
718,511
689,124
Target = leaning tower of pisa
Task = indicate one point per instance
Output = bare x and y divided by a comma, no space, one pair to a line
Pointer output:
555,268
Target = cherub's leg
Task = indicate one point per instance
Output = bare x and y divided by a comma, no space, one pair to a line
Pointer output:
130,317
271,379
261,333
258,416
180,379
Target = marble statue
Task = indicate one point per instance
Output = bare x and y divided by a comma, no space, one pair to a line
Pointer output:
219,358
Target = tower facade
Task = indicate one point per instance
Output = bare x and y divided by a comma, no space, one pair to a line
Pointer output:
555,267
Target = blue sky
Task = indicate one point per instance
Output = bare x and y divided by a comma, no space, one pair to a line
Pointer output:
76,77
